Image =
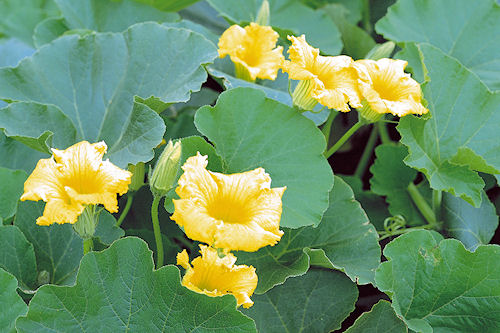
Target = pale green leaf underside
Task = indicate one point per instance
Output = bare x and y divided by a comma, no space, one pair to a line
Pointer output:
316,302
344,236
462,132
466,30
289,17
249,131
58,249
118,291
380,319
11,303
438,286
93,81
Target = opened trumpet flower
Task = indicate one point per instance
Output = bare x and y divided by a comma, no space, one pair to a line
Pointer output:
234,212
214,276
252,50
386,88
74,178
331,81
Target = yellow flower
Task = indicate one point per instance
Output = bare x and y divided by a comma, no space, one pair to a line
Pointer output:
331,81
73,178
386,88
234,212
253,51
214,276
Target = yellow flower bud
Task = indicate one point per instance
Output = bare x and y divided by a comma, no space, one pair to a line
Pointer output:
162,178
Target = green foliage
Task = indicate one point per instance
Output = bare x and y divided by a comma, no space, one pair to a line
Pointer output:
17,155
169,5
287,17
12,304
316,302
433,282
380,319
117,290
344,240
102,108
292,155
11,190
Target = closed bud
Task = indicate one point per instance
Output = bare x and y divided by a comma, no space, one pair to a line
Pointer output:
381,51
138,171
162,178
263,14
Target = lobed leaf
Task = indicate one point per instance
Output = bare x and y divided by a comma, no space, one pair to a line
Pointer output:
11,190
380,319
11,303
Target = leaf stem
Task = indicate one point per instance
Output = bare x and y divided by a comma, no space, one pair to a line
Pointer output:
157,231
422,205
88,245
384,133
366,17
130,199
437,196
327,127
344,138
367,153
385,235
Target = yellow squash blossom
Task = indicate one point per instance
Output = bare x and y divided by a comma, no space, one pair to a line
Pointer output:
73,178
253,51
331,81
235,212
386,88
216,276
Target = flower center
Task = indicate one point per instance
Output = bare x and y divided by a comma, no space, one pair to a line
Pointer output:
229,209
387,89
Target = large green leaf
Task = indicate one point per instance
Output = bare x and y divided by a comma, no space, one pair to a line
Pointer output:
12,50
11,303
472,226
466,30
344,240
380,319
169,5
19,17
17,256
288,17
11,189
97,15
316,302
250,131
58,249
16,155
107,231
461,133
92,81
439,286
391,178
118,291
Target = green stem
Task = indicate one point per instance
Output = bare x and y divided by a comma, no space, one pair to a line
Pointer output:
402,231
327,127
185,242
384,133
130,198
344,138
157,231
88,245
437,196
367,153
366,17
422,205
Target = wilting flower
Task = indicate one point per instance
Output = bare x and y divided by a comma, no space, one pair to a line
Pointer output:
386,88
235,212
216,276
253,51
73,178
331,81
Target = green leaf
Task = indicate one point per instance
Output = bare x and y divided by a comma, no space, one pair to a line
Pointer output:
169,5
380,319
455,140
11,51
472,226
287,17
107,231
170,249
17,256
95,90
316,302
250,131
344,236
98,15
118,291
19,17
11,190
11,303
435,282
58,249
391,178
17,155
468,31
